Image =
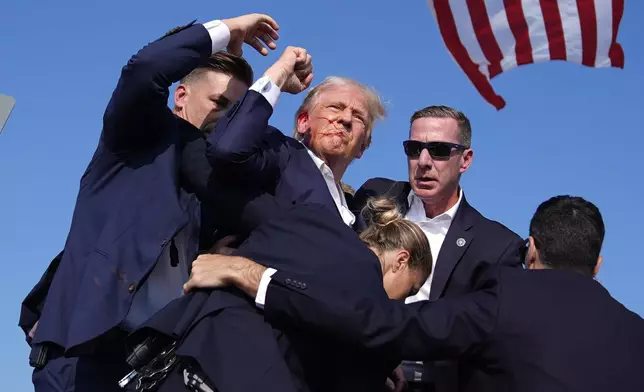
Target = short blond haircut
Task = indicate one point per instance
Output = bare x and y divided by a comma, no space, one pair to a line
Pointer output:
375,107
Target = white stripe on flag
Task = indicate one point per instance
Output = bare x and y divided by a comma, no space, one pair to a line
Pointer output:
572,30
604,14
537,28
502,33
468,36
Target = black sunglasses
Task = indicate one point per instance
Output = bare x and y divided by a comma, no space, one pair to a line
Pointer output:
437,150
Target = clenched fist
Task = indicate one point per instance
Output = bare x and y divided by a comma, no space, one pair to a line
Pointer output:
293,72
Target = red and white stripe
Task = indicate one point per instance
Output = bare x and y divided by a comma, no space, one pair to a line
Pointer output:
488,37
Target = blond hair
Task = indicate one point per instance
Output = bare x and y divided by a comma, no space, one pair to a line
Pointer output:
388,230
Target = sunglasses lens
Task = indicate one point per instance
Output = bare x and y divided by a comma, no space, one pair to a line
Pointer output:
412,148
440,150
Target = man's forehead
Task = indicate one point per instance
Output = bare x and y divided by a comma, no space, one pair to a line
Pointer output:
434,129
351,95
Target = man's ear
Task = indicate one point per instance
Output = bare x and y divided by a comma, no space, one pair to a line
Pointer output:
600,260
180,97
466,160
303,124
532,256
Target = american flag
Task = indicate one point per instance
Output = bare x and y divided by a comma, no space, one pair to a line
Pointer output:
488,37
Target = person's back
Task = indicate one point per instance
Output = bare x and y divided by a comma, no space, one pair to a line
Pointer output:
558,330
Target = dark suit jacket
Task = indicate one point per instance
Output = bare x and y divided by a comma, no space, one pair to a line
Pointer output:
249,153
131,200
519,330
223,331
485,240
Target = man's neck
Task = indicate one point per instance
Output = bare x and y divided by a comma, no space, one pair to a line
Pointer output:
337,164
441,205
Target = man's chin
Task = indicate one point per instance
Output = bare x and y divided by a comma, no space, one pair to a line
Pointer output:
424,192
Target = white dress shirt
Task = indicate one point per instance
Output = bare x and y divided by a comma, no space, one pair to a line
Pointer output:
435,229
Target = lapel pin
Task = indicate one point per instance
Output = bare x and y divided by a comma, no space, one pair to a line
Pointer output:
460,242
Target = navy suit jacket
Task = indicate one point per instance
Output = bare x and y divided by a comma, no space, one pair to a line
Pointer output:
131,200
250,154
519,330
486,241
223,332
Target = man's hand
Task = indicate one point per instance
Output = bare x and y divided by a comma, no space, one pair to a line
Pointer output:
252,29
211,271
293,72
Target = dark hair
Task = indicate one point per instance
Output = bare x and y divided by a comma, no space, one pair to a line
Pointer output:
464,127
388,230
225,63
568,233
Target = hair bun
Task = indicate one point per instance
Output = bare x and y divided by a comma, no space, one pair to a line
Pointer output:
381,211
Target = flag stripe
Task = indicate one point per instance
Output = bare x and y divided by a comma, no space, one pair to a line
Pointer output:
489,37
466,34
519,27
616,52
537,29
554,29
485,36
588,23
569,16
447,27
502,33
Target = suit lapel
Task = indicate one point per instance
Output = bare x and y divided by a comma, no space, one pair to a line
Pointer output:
458,239
314,177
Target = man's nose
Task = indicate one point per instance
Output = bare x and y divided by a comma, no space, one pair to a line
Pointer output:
344,118
424,159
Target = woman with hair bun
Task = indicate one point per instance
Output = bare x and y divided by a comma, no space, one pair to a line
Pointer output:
401,247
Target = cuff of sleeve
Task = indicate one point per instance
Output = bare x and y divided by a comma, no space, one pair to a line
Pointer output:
268,89
219,34
260,299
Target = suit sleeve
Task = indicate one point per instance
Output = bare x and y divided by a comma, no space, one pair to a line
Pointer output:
511,256
138,108
239,146
442,329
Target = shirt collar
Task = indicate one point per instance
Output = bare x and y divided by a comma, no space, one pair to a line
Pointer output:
417,208
319,163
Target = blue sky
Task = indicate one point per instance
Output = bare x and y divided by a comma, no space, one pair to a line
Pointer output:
566,129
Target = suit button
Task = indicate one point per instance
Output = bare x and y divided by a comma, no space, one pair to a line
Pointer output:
296,284
131,288
164,243
303,286
287,281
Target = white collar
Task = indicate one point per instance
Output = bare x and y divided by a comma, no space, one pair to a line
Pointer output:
417,208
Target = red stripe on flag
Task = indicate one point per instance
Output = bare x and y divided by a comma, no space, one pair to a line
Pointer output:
588,23
616,52
554,29
485,36
447,27
519,27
